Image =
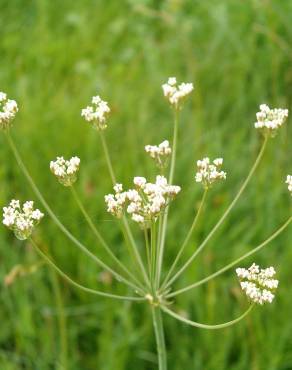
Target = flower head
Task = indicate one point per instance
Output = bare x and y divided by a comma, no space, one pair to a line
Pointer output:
145,202
21,220
65,170
160,153
289,182
208,172
258,284
8,110
176,94
270,120
97,113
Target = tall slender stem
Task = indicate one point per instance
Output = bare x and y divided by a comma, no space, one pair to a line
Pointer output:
158,238
159,335
77,285
59,223
170,180
232,264
186,239
223,217
153,256
124,219
100,238
107,157
147,246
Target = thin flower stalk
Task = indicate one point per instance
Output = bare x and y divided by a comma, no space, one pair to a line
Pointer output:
224,216
77,285
59,223
101,239
232,264
157,281
187,239
148,252
170,180
124,223
206,326
153,257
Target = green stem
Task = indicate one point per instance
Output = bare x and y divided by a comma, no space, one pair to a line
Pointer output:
135,250
159,335
58,222
100,238
77,285
107,157
158,239
232,264
204,326
223,217
170,180
124,219
186,239
153,256
147,250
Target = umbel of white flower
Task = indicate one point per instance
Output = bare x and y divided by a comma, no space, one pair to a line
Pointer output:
289,182
209,172
65,170
270,120
176,94
145,202
160,153
97,113
258,284
21,220
8,110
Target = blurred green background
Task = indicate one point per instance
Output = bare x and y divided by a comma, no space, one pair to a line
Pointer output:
54,56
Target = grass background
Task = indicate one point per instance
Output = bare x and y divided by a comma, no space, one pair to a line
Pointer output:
54,56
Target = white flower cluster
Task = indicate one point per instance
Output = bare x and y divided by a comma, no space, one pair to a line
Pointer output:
176,94
8,110
97,113
209,172
258,284
289,182
145,202
65,170
270,120
21,220
160,153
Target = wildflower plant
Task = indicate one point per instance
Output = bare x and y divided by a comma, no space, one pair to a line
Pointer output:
147,205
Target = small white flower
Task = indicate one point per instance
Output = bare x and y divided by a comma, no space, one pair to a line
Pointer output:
289,182
8,110
208,173
21,220
65,170
118,188
160,153
176,94
270,120
138,218
144,204
97,113
139,181
258,284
